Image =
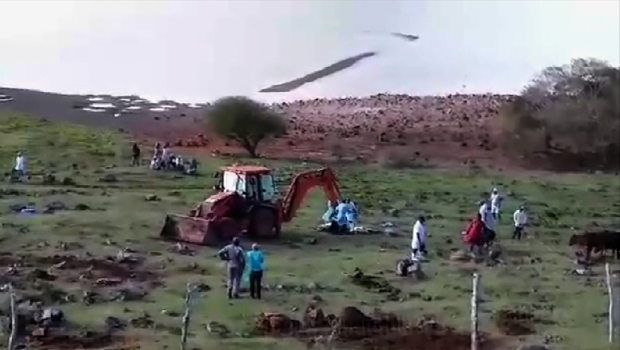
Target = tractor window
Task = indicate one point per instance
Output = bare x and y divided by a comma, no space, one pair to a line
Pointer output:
234,183
266,183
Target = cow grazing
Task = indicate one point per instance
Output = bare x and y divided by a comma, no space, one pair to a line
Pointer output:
599,240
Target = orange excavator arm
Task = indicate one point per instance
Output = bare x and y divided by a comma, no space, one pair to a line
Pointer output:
302,183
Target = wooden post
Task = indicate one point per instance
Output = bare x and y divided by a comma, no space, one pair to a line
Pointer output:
186,316
14,317
474,312
610,291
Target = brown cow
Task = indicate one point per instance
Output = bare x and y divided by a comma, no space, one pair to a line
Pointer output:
600,240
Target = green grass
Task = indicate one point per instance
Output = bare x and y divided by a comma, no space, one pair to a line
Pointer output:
121,214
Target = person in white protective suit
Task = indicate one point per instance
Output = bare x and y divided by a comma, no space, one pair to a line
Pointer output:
418,239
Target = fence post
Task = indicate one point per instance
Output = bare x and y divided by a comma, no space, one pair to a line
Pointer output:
474,312
186,316
14,317
612,326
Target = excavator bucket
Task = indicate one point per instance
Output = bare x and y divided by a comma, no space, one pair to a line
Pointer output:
188,229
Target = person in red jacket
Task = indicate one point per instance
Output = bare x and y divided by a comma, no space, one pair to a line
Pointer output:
474,233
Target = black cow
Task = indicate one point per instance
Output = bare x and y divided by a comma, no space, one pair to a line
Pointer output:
600,240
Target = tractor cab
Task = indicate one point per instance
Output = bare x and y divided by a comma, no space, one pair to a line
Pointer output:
255,183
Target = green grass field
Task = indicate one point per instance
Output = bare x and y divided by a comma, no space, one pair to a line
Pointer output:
533,276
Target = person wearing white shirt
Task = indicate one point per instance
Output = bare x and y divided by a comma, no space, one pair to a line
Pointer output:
520,219
418,241
496,203
20,164
486,215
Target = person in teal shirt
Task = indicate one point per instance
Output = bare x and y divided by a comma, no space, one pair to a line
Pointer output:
256,262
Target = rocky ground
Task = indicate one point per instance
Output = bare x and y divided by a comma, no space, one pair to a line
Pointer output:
386,128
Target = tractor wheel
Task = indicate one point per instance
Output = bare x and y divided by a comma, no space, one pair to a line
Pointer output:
262,223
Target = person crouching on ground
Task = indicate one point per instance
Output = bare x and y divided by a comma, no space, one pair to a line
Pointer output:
235,263
520,219
473,236
418,241
257,261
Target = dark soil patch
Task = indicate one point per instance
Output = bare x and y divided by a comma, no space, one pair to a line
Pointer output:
514,322
381,331
84,340
100,268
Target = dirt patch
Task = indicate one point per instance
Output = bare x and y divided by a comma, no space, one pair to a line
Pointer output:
514,322
84,340
97,269
381,331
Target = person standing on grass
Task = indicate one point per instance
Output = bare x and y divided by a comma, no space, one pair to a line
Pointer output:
135,154
496,204
20,165
256,261
474,234
165,155
418,241
520,219
235,257
486,215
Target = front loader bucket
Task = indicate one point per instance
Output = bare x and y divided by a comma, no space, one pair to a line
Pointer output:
188,229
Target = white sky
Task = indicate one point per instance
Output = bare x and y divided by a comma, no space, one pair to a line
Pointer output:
200,50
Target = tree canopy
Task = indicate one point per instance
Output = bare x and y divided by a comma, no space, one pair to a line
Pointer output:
245,121
569,115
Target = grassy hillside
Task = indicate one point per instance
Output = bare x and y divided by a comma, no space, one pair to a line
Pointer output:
532,276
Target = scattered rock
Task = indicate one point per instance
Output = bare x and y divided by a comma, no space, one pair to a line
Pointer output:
41,275
49,179
114,324
152,198
218,328
81,206
311,241
54,207
461,256
68,181
181,248
143,321
514,322
108,178
52,318
394,212
533,347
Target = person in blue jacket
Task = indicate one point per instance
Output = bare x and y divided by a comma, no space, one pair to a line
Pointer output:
256,261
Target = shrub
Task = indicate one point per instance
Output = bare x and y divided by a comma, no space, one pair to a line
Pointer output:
569,116
245,121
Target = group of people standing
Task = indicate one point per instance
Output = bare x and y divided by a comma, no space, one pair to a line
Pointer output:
236,262
481,230
163,159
